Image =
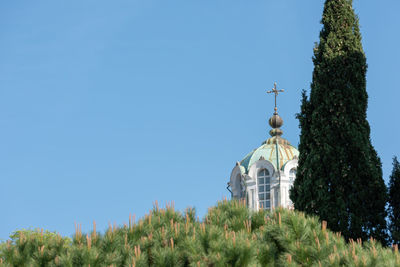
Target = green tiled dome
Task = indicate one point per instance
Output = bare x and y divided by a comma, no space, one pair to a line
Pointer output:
267,151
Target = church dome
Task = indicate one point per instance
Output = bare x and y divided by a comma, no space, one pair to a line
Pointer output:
276,149
264,177
267,151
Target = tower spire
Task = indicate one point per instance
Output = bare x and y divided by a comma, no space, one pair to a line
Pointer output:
276,92
275,121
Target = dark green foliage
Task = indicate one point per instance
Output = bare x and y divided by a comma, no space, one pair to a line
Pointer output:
339,176
301,195
229,235
394,202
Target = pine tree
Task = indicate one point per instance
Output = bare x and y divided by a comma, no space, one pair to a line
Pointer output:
394,202
229,235
339,176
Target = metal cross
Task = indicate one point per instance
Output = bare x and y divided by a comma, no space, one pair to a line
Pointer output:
276,92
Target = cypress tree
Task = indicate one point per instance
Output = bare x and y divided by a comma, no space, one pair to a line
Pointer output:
301,195
339,176
394,202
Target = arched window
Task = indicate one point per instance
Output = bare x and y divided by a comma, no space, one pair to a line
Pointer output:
292,175
264,187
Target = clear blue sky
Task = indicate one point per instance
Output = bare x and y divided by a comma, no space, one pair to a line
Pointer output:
107,106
